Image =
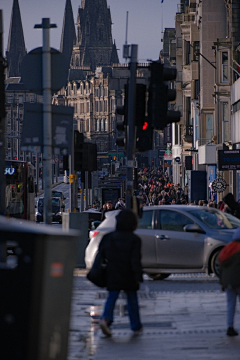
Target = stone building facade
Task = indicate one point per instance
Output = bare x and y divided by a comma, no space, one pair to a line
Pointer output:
207,60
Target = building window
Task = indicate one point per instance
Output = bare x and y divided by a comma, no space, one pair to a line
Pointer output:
196,129
105,105
225,122
32,98
209,126
112,104
196,50
224,76
188,112
106,125
96,106
88,107
101,90
187,53
97,125
102,124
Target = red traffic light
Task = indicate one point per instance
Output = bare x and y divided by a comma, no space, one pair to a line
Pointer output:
145,125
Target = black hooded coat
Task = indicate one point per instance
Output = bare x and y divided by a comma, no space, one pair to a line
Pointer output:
232,204
122,251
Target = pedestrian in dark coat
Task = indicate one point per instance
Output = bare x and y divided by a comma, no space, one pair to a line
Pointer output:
229,259
122,251
233,205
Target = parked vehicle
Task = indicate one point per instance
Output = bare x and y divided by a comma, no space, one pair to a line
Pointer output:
175,239
57,209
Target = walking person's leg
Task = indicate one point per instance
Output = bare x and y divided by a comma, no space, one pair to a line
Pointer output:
133,312
231,306
107,316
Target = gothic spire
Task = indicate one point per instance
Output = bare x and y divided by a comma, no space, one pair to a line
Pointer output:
94,45
68,32
16,45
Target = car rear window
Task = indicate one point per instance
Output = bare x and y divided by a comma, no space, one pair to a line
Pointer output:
57,194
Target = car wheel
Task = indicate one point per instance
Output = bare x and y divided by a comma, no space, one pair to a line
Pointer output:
158,276
215,267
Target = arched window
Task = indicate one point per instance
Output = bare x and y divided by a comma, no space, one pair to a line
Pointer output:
106,125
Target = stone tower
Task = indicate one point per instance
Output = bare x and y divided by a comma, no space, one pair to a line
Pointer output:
68,39
16,45
94,46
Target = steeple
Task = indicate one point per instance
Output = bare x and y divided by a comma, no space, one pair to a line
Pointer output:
94,45
16,45
68,32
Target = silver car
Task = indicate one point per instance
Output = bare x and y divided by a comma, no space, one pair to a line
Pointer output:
175,238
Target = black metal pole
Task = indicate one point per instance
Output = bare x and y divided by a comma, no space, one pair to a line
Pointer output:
131,136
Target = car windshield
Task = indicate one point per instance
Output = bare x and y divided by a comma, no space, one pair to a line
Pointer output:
57,194
55,204
216,219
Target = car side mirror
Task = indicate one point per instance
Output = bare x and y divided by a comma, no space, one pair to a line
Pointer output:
193,228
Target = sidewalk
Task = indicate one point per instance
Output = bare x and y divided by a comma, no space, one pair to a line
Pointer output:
177,326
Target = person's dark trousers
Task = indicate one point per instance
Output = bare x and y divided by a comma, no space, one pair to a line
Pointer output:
132,305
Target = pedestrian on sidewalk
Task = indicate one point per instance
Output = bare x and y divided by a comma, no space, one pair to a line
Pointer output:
122,251
229,259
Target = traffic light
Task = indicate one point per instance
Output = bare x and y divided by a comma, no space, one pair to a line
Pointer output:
85,154
122,124
160,94
79,151
144,131
140,113
144,137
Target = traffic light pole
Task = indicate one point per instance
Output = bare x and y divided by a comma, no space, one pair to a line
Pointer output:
131,136
47,119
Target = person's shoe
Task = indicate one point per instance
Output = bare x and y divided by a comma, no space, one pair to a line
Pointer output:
138,332
231,332
104,327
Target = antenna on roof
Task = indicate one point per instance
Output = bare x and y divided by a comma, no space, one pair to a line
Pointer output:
162,15
126,47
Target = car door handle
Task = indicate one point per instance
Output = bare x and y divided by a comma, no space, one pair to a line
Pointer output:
162,237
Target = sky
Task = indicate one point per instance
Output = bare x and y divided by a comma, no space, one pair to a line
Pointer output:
146,21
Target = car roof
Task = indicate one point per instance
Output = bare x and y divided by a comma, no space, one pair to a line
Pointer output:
178,207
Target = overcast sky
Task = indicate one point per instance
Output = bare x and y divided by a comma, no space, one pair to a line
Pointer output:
146,20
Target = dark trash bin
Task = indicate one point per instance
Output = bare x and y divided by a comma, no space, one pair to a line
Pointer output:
36,288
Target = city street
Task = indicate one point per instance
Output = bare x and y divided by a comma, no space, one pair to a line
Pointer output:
184,318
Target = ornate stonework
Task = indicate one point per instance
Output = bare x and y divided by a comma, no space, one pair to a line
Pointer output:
94,46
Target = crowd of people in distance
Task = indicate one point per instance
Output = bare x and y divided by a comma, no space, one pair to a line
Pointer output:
154,187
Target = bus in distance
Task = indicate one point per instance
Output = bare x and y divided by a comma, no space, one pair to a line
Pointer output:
19,194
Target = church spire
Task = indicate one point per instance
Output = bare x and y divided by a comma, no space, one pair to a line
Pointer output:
16,45
68,32
94,45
